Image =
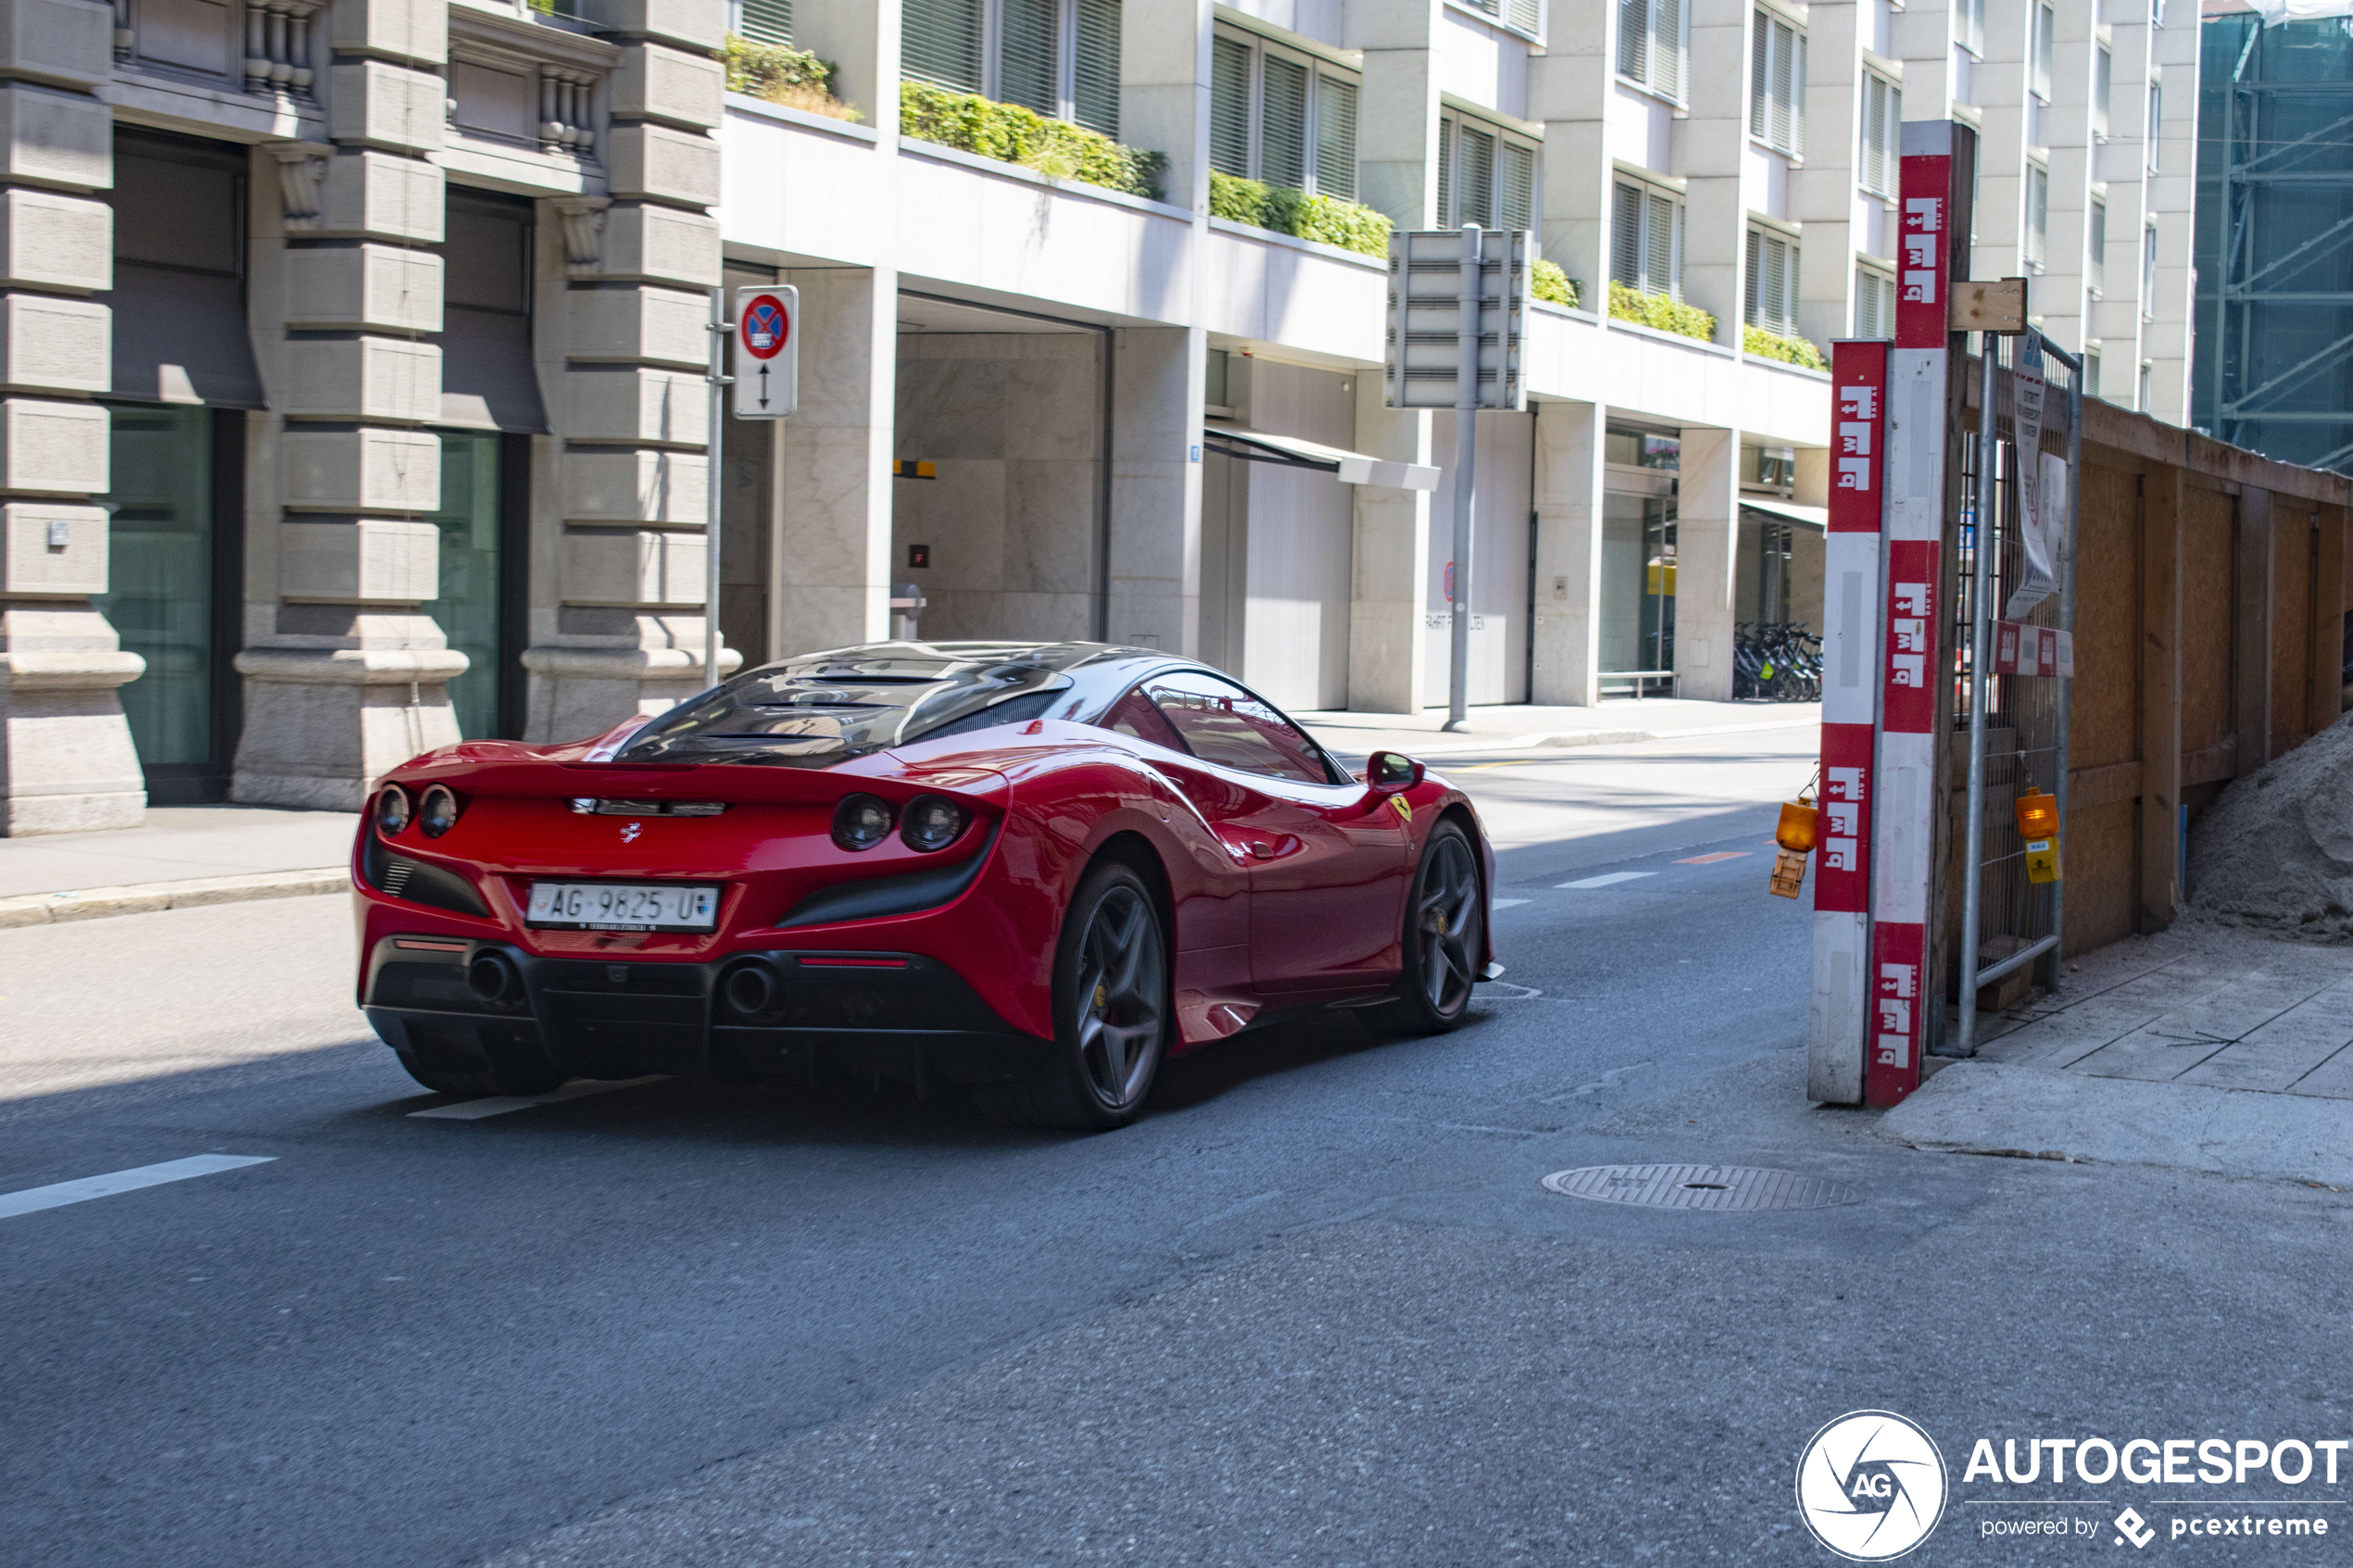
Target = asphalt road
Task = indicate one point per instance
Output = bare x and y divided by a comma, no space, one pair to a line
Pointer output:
1315,1308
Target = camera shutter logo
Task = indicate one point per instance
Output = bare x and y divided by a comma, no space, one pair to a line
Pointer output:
1870,1486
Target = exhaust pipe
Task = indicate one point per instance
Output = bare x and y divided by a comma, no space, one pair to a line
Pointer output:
492,976
751,988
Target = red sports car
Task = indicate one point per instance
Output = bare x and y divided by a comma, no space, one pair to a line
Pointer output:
1031,869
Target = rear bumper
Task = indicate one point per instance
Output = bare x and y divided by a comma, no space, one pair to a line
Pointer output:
894,1013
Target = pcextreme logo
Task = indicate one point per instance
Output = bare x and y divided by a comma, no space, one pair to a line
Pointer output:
1870,1486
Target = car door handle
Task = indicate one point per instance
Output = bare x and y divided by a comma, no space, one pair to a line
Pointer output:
1261,848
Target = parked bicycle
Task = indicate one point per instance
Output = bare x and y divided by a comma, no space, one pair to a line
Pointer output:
1778,662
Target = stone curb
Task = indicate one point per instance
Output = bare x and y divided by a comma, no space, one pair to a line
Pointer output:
90,903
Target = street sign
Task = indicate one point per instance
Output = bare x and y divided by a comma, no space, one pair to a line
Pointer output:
767,357
1425,318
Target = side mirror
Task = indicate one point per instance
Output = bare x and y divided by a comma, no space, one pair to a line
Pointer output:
1391,772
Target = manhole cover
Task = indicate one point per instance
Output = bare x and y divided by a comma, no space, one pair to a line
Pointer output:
1701,1186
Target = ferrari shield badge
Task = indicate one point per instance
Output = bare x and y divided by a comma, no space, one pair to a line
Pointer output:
1404,807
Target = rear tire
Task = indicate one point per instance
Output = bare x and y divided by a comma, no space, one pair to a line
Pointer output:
1113,1019
503,1079
1446,931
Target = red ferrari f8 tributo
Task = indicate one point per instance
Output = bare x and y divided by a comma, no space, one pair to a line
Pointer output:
1033,869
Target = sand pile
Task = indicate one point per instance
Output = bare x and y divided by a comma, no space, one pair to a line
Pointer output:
2275,850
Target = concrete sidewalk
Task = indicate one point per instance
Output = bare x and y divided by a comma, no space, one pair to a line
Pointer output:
1521,728
2203,1048
179,856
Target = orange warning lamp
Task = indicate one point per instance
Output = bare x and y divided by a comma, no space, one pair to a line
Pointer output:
1796,832
2038,824
2037,814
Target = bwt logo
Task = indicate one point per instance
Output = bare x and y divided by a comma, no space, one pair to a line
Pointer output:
1870,1486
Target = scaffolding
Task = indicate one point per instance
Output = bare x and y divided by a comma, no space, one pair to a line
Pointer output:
2274,322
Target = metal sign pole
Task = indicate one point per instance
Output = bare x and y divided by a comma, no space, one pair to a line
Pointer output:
1473,287
2057,961
1985,529
712,483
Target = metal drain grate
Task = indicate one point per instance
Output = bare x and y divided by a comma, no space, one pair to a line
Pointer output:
1713,1187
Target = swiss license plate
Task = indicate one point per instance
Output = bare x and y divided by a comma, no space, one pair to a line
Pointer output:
622,906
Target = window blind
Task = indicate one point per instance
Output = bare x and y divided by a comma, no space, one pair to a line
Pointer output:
1633,40
2045,37
1474,177
1771,295
1650,44
2103,76
1645,240
1336,138
1882,120
2095,247
1777,84
2038,216
939,41
1528,16
1516,188
1095,66
765,21
1229,108
1874,304
1028,52
1282,127
1445,173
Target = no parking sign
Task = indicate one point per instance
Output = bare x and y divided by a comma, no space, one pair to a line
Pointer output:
767,357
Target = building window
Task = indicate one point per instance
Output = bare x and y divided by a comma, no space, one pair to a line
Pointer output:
2156,122
1653,40
1485,176
2045,34
1646,240
2096,242
1777,84
1968,26
1874,304
2036,248
762,21
2149,273
1520,15
1769,301
1883,134
1060,57
2091,370
2141,392
2103,79
1282,116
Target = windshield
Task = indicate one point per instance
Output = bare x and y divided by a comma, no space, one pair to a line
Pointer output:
826,708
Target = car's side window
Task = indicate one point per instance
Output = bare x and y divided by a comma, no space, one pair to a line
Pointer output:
1225,724
1135,715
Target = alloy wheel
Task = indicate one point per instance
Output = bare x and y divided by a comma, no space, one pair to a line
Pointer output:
1446,923
1121,994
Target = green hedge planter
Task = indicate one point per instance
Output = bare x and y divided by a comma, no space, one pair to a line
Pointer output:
1762,344
1012,134
1326,220
1669,315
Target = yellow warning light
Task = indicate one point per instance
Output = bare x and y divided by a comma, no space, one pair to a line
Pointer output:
1795,832
2037,814
2042,859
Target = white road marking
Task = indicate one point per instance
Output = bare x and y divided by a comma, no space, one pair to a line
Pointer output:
31,1200
1607,880
498,1104
1509,903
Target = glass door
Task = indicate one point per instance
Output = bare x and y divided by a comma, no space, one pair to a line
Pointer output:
159,577
468,609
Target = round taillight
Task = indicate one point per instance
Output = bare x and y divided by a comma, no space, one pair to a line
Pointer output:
932,821
392,811
861,821
438,811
